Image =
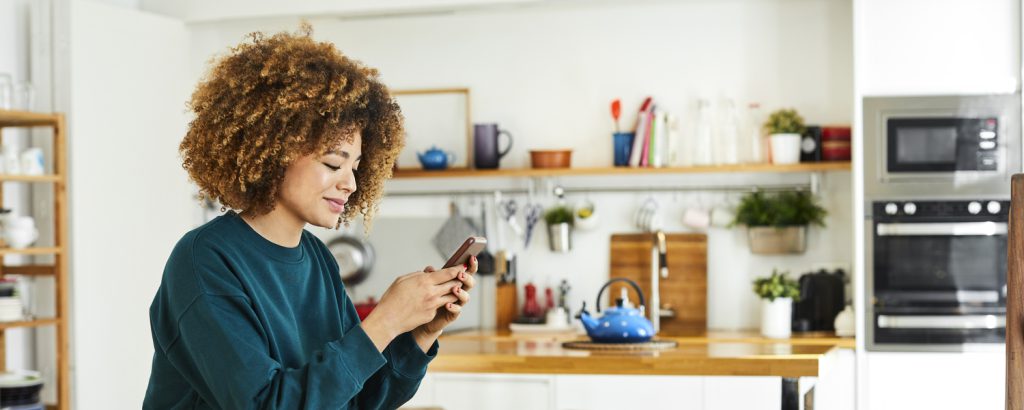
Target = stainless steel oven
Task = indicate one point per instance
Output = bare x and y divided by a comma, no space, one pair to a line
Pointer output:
966,146
936,275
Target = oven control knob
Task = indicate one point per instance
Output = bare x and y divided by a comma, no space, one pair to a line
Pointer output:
909,208
891,209
993,207
974,207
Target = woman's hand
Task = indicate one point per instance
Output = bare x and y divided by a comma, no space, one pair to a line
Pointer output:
412,300
449,312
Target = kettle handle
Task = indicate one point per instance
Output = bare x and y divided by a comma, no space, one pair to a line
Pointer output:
635,287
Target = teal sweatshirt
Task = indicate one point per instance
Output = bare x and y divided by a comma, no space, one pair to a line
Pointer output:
242,323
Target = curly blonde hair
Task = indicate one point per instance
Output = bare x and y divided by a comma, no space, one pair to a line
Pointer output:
272,100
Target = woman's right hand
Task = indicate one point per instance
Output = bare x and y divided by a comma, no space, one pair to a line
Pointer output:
410,301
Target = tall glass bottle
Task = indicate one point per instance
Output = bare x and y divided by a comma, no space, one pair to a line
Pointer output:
702,151
753,139
729,138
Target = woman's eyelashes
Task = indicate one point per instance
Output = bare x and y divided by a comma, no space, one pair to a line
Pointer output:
332,167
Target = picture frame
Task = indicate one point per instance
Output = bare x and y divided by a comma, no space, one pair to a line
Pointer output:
436,117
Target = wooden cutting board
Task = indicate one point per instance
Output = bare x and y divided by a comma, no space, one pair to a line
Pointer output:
685,289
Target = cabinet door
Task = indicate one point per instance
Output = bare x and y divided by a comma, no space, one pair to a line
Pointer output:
937,46
937,381
742,392
464,391
609,392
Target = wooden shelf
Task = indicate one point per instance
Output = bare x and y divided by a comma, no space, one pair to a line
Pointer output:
30,323
29,270
30,178
10,118
29,251
530,172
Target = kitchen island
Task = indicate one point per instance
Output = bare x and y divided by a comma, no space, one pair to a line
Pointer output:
711,371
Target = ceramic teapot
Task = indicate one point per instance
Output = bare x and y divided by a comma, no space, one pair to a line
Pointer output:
620,323
435,158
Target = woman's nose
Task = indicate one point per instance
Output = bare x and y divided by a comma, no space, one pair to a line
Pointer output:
348,182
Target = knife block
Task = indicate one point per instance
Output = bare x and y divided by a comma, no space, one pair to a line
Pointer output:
505,298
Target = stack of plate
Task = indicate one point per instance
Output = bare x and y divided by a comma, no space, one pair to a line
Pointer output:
11,309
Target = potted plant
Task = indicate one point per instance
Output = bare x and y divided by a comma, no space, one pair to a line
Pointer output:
777,222
785,128
559,220
777,294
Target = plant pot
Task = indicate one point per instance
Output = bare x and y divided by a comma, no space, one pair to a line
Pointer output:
770,240
560,237
785,148
776,317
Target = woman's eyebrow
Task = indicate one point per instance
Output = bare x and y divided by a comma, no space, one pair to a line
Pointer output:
344,154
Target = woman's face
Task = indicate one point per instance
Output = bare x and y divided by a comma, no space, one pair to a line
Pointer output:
316,186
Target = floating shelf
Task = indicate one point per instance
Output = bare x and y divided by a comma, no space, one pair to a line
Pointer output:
29,251
30,178
30,323
530,172
27,119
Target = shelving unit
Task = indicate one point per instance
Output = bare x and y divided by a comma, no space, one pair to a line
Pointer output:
530,172
59,269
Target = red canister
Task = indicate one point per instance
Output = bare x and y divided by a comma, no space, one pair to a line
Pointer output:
835,143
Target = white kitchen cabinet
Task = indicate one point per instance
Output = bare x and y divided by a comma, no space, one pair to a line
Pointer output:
473,391
742,392
611,392
936,381
937,46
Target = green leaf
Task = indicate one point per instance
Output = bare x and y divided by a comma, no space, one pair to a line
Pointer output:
777,286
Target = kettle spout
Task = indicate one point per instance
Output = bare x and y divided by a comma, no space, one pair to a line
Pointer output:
589,322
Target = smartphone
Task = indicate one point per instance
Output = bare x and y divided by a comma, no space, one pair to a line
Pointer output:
471,247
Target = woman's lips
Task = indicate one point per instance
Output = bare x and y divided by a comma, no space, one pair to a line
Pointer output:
336,205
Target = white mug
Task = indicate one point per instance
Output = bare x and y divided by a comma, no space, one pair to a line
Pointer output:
32,162
696,218
721,217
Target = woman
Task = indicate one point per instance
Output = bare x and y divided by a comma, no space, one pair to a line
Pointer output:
251,312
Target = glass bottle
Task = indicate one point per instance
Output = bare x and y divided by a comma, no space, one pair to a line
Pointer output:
729,137
753,141
702,151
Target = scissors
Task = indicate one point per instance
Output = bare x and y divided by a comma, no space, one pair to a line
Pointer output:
508,211
532,217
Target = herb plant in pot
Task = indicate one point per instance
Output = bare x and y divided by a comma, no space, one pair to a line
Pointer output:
777,294
777,222
785,128
559,220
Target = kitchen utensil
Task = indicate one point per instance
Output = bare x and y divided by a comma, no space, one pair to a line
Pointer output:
697,218
620,323
32,161
822,297
616,112
647,217
508,211
683,292
533,212
355,258
20,232
721,217
453,232
435,158
531,309
550,158
485,145
504,292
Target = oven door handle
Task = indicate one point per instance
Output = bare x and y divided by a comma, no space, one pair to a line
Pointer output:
941,228
942,322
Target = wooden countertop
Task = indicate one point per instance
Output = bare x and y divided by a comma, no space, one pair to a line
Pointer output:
709,354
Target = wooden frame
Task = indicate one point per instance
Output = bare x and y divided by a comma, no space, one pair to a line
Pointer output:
59,269
1014,293
468,155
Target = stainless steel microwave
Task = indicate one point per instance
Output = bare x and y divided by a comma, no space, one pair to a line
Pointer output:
955,146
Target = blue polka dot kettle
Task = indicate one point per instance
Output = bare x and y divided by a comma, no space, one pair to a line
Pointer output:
621,323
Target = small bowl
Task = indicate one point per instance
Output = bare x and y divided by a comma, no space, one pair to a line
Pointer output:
550,158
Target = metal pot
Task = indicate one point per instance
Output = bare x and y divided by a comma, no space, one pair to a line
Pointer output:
355,258
770,240
560,237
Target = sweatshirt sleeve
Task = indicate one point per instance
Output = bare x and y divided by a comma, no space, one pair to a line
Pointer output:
222,352
399,379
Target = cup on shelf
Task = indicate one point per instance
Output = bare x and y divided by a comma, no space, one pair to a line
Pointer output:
12,164
20,231
32,162
6,92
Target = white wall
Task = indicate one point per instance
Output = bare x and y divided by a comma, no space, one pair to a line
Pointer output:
548,73
130,197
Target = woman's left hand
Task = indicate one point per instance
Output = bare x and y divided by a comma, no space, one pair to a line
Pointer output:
448,313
